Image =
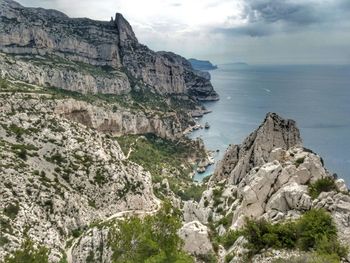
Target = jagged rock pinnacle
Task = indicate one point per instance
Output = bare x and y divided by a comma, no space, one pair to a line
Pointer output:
274,132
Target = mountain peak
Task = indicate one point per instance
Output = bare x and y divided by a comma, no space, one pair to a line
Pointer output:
124,28
274,132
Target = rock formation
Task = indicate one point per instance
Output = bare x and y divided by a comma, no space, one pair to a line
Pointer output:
256,149
95,56
196,238
268,177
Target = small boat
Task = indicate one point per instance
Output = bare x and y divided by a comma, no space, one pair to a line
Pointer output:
207,126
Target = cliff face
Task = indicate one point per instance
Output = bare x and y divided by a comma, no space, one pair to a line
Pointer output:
120,121
40,33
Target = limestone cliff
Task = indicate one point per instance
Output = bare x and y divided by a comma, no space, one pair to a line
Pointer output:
119,121
103,47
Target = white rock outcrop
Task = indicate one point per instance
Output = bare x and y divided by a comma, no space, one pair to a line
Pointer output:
196,238
256,149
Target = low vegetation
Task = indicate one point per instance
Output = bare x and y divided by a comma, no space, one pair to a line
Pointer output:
28,253
193,192
229,238
299,161
310,258
322,185
313,231
150,240
3,84
165,159
11,210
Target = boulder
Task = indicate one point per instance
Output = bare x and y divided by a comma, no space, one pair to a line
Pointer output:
196,238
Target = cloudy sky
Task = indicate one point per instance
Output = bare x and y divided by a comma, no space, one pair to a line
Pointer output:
224,31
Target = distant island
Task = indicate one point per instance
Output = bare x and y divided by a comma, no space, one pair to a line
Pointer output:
202,64
240,63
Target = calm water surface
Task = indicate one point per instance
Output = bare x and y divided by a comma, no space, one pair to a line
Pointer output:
317,97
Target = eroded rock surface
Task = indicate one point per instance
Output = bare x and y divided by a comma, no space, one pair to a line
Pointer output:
196,238
256,149
58,176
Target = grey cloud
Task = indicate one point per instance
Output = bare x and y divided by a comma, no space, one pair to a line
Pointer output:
271,11
266,17
256,30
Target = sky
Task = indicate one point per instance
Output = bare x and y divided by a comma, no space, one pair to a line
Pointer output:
226,31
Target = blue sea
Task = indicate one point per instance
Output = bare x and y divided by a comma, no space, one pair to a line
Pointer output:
316,97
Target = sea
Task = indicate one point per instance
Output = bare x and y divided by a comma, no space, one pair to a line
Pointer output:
317,97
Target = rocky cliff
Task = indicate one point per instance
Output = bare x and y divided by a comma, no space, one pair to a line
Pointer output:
90,56
256,149
269,176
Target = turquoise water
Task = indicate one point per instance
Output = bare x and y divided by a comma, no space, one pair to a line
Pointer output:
317,97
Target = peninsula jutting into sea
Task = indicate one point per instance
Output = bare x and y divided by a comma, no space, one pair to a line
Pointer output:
101,139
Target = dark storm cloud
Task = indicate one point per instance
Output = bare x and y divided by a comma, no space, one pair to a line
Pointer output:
266,17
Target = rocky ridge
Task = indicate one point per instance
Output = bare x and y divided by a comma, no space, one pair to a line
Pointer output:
267,177
107,47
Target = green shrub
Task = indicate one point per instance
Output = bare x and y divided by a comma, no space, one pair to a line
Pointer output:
217,193
313,226
17,131
3,83
28,254
57,158
3,240
326,184
310,258
313,231
229,257
193,192
76,232
100,178
22,154
299,161
157,155
207,258
229,238
11,210
226,220
153,239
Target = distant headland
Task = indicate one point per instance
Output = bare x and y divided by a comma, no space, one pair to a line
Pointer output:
202,64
